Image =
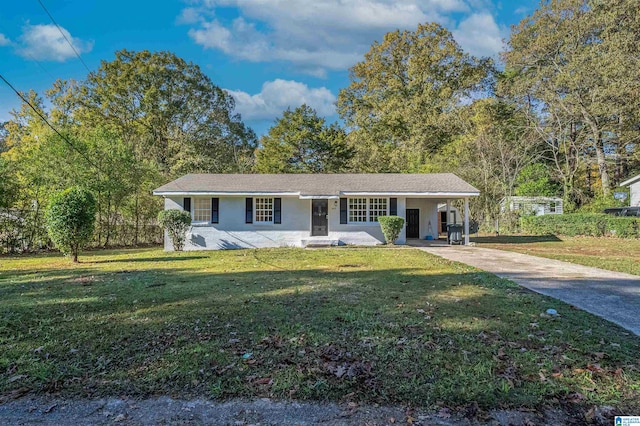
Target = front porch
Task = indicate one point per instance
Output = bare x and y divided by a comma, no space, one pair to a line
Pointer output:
425,220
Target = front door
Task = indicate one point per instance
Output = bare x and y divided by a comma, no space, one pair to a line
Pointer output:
319,218
413,223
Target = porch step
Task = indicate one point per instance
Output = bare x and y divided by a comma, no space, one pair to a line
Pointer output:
319,242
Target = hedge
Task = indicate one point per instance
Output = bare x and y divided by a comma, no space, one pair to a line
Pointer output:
589,224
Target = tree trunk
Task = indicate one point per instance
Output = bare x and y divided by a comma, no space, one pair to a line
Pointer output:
602,166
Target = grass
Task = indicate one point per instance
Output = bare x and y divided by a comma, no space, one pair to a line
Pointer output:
614,254
367,325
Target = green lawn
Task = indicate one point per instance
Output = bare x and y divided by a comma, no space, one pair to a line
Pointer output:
371,325
614,254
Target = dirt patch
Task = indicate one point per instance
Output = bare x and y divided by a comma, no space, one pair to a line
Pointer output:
167,411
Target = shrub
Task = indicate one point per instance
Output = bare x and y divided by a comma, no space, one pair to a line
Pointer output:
391,227
176,222
589,224
70,219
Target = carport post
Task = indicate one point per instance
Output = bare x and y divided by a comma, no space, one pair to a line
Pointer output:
466,221
448,212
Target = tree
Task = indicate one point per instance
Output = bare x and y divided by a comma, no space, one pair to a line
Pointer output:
576,62
402,100
70,220
166,109
533,181
301,142
176,223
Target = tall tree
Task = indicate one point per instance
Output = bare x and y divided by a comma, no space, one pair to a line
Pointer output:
301,142
576,61
400,105
167,109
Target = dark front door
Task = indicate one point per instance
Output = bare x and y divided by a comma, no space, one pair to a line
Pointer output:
413,223
319,218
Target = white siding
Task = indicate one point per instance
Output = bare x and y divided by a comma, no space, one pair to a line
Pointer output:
295,229
428,215
634,190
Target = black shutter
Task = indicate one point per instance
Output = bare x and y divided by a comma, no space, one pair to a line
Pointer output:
186,204
277,210
343,210
215,206
248,217
393,207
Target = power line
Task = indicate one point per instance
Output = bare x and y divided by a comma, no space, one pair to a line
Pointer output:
64,138
64,35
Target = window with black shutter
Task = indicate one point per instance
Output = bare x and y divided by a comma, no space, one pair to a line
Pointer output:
343,211
277,210
393,206
248,218
215,207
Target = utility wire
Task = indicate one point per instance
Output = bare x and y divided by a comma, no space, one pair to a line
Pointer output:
64,35
64,138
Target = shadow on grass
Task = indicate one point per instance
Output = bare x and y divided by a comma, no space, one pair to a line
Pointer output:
146,259
407,335
516,239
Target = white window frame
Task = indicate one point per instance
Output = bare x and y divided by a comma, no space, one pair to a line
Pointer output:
367,211
199,209
553,207
268,200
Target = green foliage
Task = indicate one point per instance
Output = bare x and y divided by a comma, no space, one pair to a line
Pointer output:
601,202
391,227
177,223
70,220
588,224
301,142
576,61
533,181
403,99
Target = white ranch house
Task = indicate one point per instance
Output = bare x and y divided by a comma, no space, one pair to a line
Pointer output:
269,210
634,190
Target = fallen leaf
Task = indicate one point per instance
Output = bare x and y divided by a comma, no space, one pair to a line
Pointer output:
16,378
263,381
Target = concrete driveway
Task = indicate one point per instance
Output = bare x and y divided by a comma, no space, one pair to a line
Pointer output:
614,296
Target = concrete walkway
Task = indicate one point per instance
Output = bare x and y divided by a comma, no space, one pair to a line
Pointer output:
614,296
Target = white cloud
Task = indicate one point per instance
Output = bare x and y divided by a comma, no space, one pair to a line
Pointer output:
312,35
4,41
44,42
480,35
278,95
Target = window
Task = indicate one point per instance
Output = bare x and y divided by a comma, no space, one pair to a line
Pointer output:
202,210
357,209
264,210
377,207
552,206
367,210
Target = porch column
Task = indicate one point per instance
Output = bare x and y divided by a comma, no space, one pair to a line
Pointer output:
448,212
466,221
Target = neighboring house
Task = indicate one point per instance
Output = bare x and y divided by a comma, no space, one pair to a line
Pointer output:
253,210
634,190
538,206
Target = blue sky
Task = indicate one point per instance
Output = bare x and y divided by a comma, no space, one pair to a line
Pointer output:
269,54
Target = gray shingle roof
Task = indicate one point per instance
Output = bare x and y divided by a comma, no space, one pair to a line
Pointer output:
319,184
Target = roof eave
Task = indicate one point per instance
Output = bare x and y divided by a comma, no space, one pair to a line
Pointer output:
630,181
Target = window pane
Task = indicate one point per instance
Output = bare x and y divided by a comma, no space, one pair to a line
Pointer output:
264,209
202,210
377,207
357,209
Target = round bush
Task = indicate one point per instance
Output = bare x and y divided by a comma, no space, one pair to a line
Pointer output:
391,227
177,223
